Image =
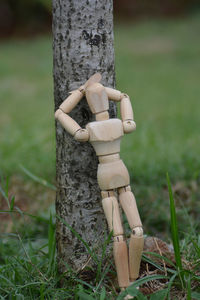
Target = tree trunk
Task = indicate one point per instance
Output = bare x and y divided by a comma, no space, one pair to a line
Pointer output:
82,45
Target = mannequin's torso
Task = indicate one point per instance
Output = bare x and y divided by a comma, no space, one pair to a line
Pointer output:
105,137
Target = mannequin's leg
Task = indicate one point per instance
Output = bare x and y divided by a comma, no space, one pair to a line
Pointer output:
111,210
128,203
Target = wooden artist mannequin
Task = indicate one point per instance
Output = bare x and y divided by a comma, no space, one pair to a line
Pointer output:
105,135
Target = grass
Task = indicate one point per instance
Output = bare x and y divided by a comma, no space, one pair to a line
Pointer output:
157,64
28,267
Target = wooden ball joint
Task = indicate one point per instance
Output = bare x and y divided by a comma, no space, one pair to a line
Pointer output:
105,135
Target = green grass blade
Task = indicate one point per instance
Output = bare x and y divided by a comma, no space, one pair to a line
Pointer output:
148,260
159,295
147,279
12,202
156,265
136,293
132,291
92,253
51,245
99,266
197,248
38,179
6,280
103,294
167,260
174,230
195,296
83,296
189,295
103,276
42,288
5,196
140,282
171,283
38,283
38,218
84,283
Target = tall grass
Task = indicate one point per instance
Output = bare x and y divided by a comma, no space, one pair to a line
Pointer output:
28,268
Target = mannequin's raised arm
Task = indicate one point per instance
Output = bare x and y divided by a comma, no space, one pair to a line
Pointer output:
125,108
113,94
127,114
70,125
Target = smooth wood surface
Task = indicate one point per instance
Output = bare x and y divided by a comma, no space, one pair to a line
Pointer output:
106,148
81,135
93,79
126,109
107,194
71,101
109,158
121,262
105,136
124,189
108,130
136,245
111,210
67,122
102,116
97,98
113,94
129,126
112,175
128,203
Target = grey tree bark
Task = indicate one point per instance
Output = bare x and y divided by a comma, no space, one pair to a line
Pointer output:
82,45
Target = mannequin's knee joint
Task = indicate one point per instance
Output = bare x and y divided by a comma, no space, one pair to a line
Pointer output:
124,189
107,194
137,231
118,238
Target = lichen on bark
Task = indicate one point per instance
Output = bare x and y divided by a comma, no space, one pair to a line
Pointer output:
82,46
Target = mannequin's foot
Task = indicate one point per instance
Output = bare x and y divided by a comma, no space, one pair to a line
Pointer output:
127,297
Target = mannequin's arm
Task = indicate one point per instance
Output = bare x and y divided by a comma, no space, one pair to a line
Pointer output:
125,108
127,114
66,121
72,100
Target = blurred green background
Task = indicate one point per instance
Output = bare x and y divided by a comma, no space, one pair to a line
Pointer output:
157,52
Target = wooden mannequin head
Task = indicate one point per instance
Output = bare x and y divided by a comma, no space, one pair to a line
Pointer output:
97,98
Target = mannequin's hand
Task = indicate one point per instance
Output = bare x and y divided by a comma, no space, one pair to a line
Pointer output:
81,135
129,126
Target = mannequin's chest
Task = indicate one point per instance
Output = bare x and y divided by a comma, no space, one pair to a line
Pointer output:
108,130
105,136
